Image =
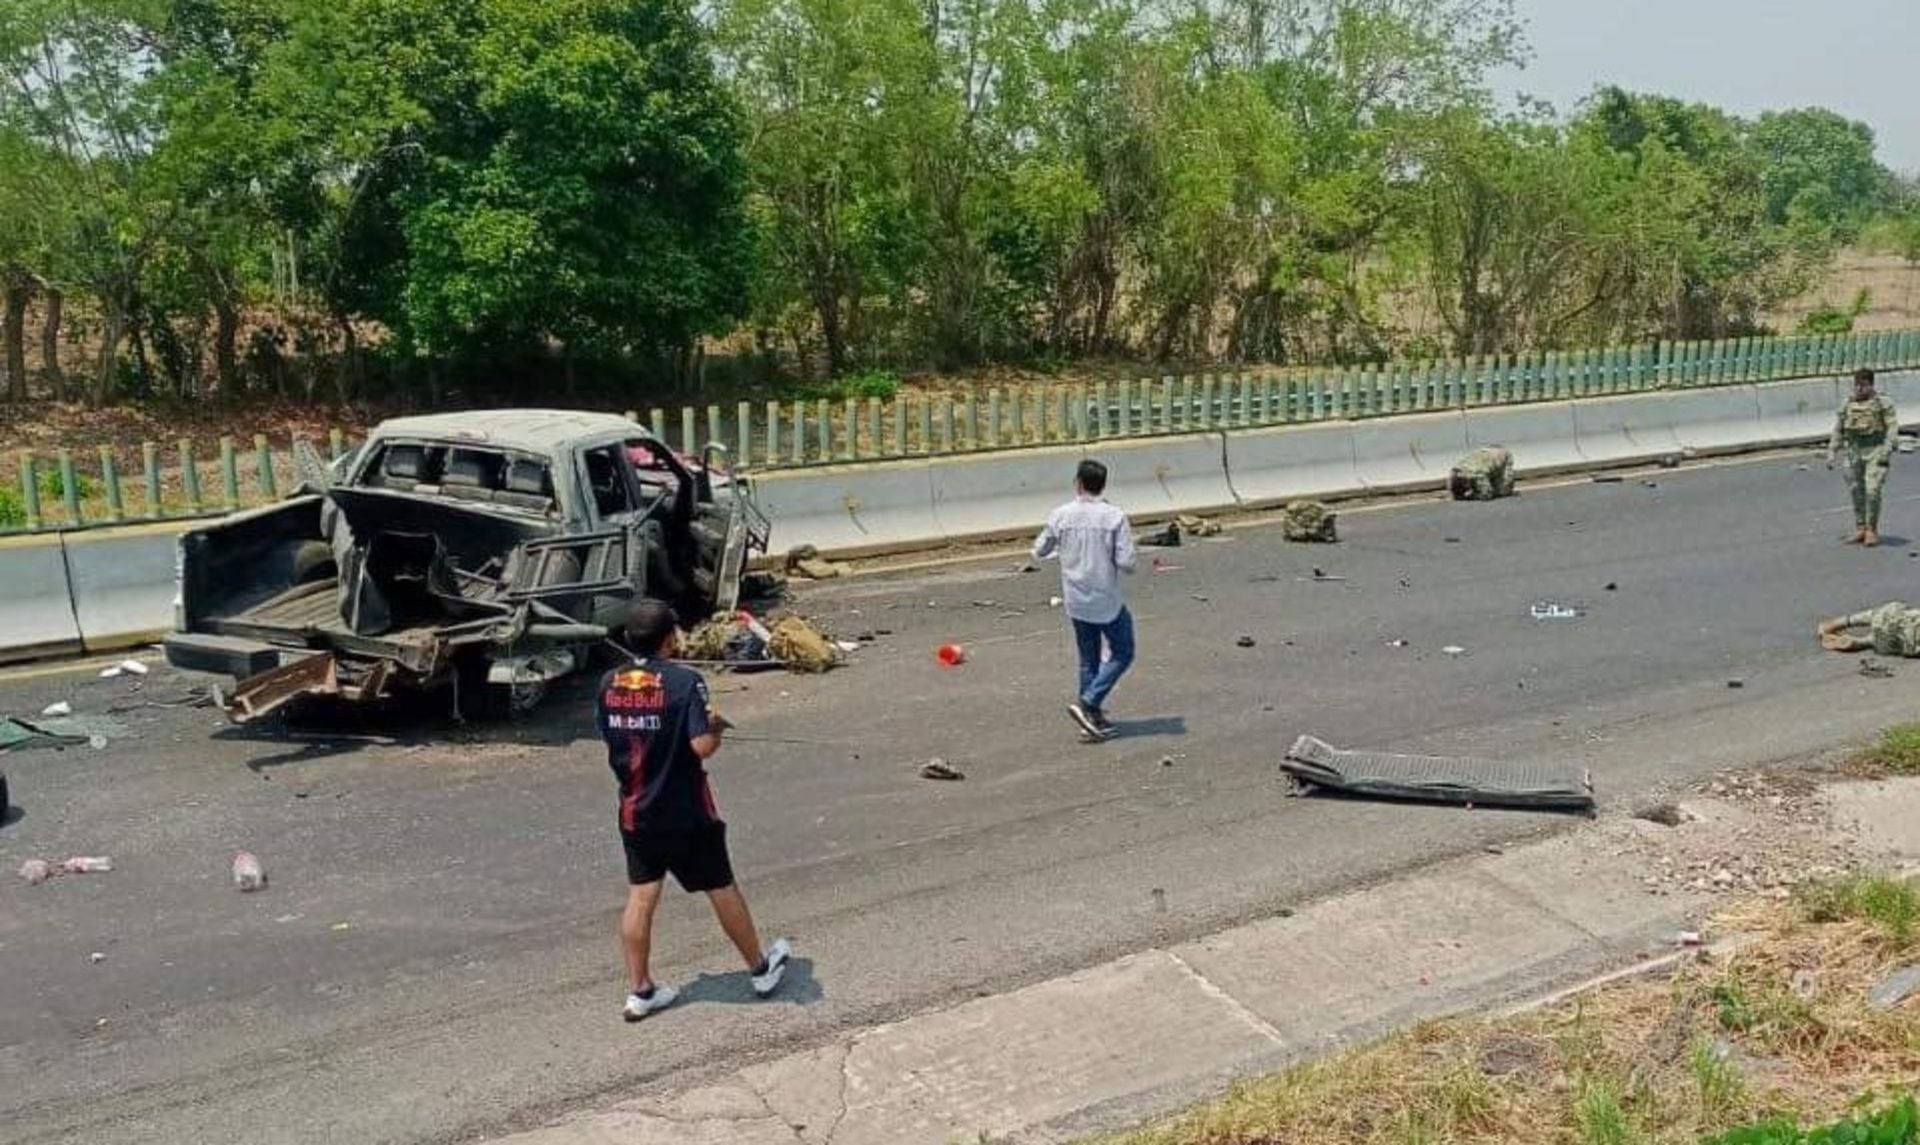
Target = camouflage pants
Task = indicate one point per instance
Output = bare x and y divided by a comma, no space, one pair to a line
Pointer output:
1866,474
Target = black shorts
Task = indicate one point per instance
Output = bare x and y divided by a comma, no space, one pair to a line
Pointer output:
695,856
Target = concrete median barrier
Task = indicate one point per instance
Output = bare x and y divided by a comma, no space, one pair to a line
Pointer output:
1542,437
1616,431
1903,386
1162,476
1270,466
1723,420
123,583
1002,493
1401,454
1793,412
850,509
36,607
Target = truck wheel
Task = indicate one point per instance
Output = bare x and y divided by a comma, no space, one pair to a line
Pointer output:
313,561
481,702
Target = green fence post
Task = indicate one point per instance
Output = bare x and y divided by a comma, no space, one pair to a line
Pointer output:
970,413
773,433
1102,419
29,490
799,432
190,477
716,427
925,405
823,429
632,415
876,447
1043,427
1123,407
946,423
900,426
70,488
110,479
336,444
657,425
229,476
263,462
1166,403
993,418
743,435
1016,416
689,435
850,413
150,468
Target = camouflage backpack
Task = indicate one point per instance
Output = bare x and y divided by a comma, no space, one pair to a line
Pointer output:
1309,521
1482,475
1896,630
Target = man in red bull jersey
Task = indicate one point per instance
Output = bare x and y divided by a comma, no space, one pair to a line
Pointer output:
659,728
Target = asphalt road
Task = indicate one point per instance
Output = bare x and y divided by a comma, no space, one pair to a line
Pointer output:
433,959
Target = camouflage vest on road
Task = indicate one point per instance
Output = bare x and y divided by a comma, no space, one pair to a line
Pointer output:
1867,419
1309,521
1483,475
1896,630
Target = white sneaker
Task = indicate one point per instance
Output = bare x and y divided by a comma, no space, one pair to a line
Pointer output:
639,1007
777,957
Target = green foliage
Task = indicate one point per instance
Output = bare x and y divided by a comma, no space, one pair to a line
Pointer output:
1897,1124
52,488
1891,904
13,513
1717,1079
1830,319
1898,750
1601,1115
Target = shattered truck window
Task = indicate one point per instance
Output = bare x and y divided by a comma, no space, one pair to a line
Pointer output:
466,473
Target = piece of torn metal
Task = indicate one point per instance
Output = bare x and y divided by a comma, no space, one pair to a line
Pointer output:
1439,779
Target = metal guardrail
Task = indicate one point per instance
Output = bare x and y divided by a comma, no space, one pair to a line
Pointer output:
60,492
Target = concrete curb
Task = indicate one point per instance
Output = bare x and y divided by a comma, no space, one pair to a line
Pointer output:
1056,1060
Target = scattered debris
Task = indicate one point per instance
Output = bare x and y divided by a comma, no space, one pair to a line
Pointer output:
248,874
950,655
1495,849
36,871
133,667
1453,650
1449,540
1309,522
1612,586
1027,567
1166,761
986,604
1896,988
1650,484
1670,461
1804,985
806,561
1161,566
1689,938
86,865
1199,526
1321,576
1442,779
1486,474
937,768
1548,610
1736,683
1874,670
97,957
1665,814
801,646
762,586
62,708
1608,479
1167,538
1202,597
1397,642
1054,602
1245,641
57,732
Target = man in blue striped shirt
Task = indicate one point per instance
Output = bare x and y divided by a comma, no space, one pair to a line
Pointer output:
1095,545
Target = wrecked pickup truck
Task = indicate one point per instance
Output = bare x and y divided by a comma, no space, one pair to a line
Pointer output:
487,551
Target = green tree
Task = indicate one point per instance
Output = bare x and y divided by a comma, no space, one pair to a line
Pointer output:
1819,165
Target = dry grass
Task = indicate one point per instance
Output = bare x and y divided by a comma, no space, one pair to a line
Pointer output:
1781,1028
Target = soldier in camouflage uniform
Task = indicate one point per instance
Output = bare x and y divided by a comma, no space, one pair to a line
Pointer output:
1864,435
1483,475
1893,629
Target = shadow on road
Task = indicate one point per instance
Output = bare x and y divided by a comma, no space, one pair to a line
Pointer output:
800,988
1150,727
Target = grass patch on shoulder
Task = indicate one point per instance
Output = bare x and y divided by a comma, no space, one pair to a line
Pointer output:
1740,1050
1897,753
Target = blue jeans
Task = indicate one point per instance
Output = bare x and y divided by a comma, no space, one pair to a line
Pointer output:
1098,677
